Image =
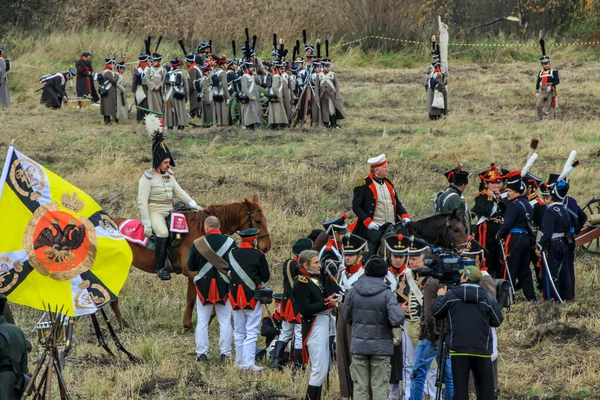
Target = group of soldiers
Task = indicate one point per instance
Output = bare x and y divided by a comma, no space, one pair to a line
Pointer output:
247,91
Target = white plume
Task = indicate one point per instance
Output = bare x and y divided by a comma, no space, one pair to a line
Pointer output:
530,161
570,165
489,142
152,125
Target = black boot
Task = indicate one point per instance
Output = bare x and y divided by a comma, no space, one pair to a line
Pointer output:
161,258
278,353
106,120
298,360
313,393
333,354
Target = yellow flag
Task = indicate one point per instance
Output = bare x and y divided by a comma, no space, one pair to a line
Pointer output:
58,248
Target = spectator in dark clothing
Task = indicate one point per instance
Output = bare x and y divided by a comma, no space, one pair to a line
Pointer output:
473,313
372,309
13,358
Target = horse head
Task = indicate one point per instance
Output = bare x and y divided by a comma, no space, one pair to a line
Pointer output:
456,234
256,219
440,230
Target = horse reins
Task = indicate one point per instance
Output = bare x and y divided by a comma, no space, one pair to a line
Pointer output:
248,221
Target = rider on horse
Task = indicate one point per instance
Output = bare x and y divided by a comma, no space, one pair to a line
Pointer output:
156,192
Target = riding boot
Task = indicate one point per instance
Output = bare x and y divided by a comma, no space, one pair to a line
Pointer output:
106,120
298,360
161,258
313,393
278,353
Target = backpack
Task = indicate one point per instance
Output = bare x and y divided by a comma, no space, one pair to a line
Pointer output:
504,296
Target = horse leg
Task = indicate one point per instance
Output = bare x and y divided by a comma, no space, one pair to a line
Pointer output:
190,302
114,336
118,316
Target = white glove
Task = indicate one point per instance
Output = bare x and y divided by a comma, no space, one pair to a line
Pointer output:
373,226
194,206
537,95
147,228
548,88
406,220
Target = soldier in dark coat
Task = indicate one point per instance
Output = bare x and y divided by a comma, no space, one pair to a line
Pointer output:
376,203
545,88
108,91
207,257
139,85
291,318
515,233
452,198
539,206
315,297
54,93
4,94
489,208
85,78
249,272
13,357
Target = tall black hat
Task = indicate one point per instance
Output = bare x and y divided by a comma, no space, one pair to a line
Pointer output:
301,245
544,59
515,182
457,176
397,245
353,244
160,152
338,225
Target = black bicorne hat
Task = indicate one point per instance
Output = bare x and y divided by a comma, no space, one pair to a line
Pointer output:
353,244
338,225
301,245
457,176
160,152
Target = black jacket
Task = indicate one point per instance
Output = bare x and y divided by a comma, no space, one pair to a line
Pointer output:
363,204
471,312
255,265
310,295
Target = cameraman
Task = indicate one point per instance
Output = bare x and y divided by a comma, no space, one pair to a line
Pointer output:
473,313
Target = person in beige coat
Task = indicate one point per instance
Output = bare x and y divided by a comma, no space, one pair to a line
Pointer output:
328,96
277,115
108,91
194,73
122,108
155,80
176,97
220,94
157,190
206,100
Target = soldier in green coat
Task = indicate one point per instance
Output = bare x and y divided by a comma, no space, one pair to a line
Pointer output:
452,198
13,357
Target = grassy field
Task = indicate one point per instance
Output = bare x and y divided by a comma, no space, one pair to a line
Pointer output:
306,176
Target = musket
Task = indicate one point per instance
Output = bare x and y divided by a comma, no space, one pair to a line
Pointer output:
550,277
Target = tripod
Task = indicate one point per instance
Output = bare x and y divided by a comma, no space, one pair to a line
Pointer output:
443,354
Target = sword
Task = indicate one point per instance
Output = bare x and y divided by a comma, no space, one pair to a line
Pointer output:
551,278
506,268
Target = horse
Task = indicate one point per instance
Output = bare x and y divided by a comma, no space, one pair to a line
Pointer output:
445,230
233,217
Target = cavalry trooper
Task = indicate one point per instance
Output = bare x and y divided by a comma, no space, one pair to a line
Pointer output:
376,204
194,73
176,115
139,84
155,79
315,299
515,234
555,240
249,272
291,318
452,198
354,248
208,257
489,207
545,86
156,191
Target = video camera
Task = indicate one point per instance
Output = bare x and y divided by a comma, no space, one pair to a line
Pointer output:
445,267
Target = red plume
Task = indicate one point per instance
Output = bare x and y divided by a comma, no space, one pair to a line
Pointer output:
400,237
345,216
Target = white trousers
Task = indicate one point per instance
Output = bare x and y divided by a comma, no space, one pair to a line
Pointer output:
409,355
223,312
318,350
287,330
246,327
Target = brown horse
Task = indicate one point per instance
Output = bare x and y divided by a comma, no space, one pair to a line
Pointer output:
233,217
440,230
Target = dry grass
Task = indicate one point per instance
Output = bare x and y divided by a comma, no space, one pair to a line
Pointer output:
304,177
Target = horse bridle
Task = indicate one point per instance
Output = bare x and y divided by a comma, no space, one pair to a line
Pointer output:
249,221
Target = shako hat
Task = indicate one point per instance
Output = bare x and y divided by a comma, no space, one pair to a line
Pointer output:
353,244
190,58
337,225
143,56
156,57
300,245
532,180
175,61
376,162
109,60
560,187
121,66
457,176
249,234
515,182
417,246
544,59
397,244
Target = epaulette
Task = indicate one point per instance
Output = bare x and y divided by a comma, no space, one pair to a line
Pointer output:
360,182
302,279
149,173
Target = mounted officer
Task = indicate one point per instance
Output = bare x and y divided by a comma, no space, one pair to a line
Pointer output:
156,193
376,203
452,198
